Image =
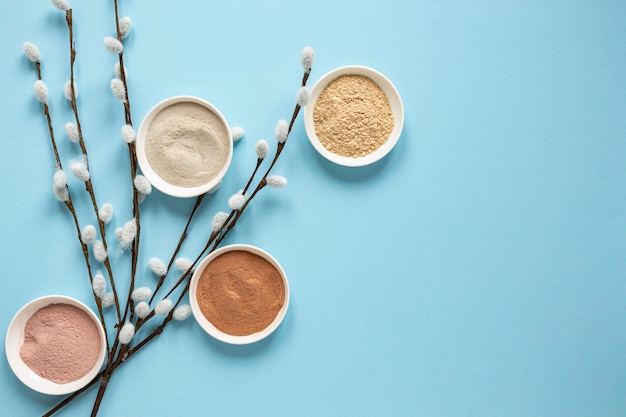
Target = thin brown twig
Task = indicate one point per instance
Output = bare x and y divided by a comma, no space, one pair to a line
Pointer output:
181,240
88,183
128,309
213,242
215,239
132,159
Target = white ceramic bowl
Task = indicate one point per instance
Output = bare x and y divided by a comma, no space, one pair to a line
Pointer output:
207,326
148,171
15,338
396,107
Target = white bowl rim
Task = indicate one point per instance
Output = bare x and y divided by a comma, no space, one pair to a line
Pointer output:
15,337
146,168
394,100
207,326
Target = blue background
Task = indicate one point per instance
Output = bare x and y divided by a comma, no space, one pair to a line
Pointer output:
477,270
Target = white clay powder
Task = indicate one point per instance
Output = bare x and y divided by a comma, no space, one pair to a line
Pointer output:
187,144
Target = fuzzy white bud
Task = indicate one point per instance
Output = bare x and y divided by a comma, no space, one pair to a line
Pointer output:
80,170
163,307
72,132
157,266
59,178
32,52
106,213
126,333
107,299
276,181
183,264
128,134
142,185
236,201
302,98
262,148
125,26
61,4
113,45
182,312
88,234
67,90
61,193
41,91
99,285
140,198
99,251
282,131
118,89
127,233
306,58
141,294
142,309
117,70
237,133
218,221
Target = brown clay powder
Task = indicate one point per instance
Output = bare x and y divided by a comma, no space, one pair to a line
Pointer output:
187,144
352,116
61,343
240,293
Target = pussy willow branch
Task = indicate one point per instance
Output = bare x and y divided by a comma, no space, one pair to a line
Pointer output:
121,60
129,305
217,238
182,238
88,183
214,240
125,351
70,206
132,154
128,309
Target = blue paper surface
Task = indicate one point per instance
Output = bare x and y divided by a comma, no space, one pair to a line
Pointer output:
477,270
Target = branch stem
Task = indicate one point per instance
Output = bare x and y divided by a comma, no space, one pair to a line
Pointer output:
88,184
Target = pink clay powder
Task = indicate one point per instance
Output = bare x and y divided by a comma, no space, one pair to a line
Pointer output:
61,343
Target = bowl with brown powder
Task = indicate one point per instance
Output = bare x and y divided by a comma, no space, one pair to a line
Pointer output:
184,146
55,345
239,294
354,116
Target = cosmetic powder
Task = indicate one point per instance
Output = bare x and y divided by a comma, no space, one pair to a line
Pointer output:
352,116
240,293
61,343
187,144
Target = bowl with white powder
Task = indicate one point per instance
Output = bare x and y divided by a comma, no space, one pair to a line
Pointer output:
55,344
184,146
354,116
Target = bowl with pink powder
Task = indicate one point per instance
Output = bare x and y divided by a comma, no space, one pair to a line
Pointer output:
55,345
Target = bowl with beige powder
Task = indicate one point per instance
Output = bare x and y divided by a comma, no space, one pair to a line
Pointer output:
184,146
55,345
239,294
354,116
